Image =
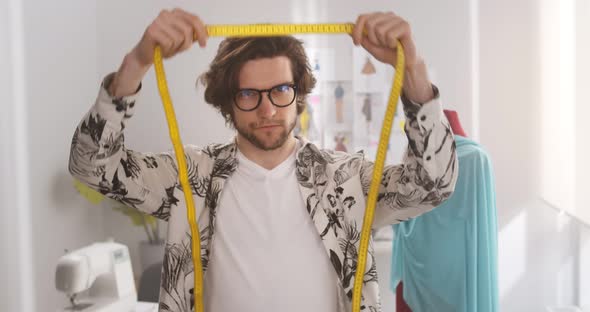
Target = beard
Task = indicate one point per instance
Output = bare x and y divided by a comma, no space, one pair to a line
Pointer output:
259,140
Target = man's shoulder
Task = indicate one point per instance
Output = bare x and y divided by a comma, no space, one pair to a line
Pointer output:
333,157
210,152
220,150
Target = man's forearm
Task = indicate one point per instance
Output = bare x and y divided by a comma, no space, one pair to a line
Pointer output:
417,85
128,77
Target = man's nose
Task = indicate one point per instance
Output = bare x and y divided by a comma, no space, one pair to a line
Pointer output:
266,108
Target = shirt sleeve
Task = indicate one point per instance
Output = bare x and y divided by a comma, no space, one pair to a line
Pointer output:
99,158
428,173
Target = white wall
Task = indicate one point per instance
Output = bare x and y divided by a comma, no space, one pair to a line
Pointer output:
59,57
15,230
583,291
582,64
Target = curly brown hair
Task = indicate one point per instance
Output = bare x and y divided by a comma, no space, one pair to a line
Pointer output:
221,80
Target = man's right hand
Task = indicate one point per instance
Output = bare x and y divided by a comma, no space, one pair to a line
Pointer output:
174,31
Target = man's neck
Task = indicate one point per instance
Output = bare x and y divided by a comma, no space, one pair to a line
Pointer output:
266,159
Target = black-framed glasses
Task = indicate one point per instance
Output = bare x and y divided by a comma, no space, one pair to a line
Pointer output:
281,95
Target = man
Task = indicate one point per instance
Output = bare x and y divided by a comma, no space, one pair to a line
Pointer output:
280,218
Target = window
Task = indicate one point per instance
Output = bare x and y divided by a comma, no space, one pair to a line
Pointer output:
565,106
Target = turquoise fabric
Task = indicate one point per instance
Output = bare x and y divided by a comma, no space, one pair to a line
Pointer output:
447,258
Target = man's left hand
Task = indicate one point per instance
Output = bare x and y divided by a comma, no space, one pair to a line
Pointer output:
379,34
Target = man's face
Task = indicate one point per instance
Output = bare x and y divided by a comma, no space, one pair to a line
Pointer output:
267,127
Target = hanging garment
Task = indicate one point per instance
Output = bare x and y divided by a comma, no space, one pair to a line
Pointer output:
366,109
339,95
447,258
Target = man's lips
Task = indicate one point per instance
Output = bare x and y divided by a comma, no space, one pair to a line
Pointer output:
268,126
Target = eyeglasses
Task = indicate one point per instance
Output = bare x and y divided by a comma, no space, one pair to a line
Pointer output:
281,95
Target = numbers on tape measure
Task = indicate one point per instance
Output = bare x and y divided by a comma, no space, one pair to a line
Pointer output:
277,29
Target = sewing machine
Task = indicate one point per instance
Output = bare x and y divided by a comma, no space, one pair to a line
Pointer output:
97,278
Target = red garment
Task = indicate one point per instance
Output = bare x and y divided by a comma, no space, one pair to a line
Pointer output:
400,304
453,118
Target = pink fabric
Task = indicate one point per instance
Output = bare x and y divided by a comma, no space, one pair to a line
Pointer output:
453,118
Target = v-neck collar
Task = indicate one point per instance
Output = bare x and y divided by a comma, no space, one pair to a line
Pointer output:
249,167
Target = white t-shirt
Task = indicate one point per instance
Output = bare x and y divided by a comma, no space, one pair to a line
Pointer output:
267,254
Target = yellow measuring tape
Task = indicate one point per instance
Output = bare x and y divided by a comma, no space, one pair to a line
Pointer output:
281,30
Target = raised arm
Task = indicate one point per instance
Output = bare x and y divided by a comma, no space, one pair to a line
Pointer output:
428,173
429,170
98,156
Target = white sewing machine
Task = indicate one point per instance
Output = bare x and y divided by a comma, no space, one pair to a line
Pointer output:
98,278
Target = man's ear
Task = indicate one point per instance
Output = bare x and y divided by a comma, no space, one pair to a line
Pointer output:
230,119
301,103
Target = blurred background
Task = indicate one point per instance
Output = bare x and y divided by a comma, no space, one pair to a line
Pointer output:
515,71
